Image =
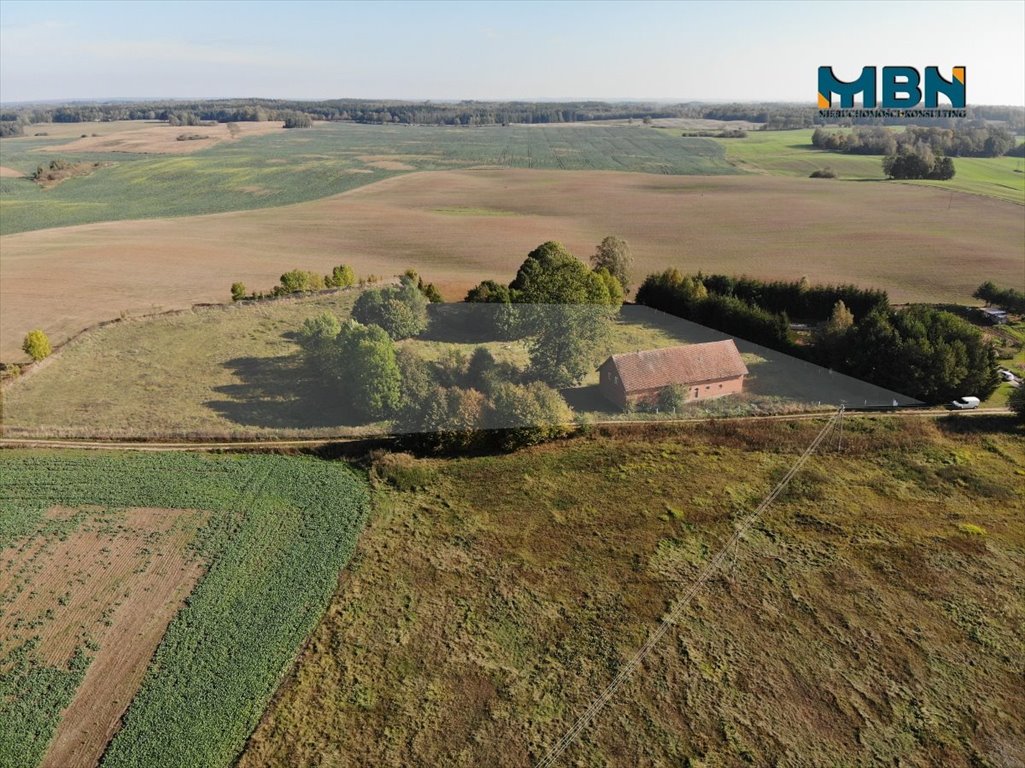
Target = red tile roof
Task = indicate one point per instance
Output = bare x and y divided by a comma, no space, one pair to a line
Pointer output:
688,364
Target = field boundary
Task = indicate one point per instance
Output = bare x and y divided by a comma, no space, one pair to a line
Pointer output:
157,444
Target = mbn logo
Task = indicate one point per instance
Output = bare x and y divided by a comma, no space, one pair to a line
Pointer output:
900,87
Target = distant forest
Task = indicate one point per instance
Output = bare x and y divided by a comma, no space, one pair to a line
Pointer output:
770,116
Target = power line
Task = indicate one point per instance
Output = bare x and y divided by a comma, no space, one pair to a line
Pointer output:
627,669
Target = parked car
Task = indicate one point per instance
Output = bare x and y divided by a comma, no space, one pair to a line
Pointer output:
965,403
1007,375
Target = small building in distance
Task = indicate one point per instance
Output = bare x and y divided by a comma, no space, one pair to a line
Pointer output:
704,371
994,315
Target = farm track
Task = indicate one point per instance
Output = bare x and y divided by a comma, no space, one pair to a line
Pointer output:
251,445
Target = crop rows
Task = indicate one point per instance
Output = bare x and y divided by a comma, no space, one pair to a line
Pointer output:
280,531
296,166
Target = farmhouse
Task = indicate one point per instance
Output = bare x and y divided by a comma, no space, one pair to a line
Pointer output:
703,370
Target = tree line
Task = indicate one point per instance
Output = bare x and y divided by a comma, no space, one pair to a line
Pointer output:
1008,298
967,141
770,116
918,162
300,281
926,353
468,113
799,299
918,153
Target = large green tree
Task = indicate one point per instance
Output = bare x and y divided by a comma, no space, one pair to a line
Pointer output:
317,336
371,373
401,310
570,313
361,363
613,254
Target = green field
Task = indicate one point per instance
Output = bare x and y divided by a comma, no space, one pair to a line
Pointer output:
790,153
280,530
872,617
295,166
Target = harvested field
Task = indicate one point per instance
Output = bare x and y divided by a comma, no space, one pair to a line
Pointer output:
107,579
915,242
163,139
55,132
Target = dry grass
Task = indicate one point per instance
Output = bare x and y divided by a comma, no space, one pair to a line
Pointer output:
237,371
113,579
493,597
59,131
9,173
914,242
386,162
162,139
215,370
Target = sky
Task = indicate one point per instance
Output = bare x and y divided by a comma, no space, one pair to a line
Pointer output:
723,51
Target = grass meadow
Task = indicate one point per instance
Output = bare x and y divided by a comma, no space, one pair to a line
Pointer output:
871,617
790,153
293,166
278,530
236,371
220,370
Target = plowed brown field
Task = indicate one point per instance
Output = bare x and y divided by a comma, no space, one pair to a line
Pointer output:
919,244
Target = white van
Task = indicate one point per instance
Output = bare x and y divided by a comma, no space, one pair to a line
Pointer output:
965,403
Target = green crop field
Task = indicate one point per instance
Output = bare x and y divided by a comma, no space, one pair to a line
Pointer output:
279,531
790,153
299,165
872,617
